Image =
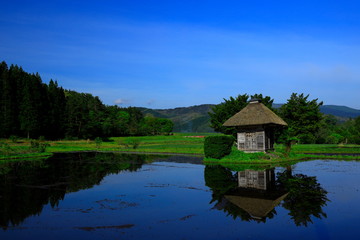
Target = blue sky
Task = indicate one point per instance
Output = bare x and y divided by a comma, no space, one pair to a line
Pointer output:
166,54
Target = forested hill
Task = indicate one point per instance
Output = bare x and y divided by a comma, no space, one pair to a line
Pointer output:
341,112
196,118
185,119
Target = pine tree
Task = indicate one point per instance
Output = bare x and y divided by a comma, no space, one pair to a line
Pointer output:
28,115
303,117
3,96
9,108
56,114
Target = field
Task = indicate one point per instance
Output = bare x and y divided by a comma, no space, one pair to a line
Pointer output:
325,148
179,143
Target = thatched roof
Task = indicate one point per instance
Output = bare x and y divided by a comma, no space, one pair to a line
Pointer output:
256,207
255,113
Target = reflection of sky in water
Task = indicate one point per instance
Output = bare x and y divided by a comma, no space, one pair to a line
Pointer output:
339,178
165,200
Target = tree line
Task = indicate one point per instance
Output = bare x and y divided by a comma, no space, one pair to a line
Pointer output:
30,108
306,124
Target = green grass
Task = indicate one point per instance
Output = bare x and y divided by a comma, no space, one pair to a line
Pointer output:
324,148
298,153
179,143
156,144
19,150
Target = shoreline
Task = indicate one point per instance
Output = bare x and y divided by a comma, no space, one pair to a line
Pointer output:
309,156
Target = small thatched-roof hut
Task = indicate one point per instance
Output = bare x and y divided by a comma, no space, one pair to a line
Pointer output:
256,125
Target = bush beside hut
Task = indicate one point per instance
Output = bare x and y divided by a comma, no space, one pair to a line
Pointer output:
218,146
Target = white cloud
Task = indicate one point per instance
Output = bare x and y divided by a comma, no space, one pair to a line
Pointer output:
151,102
121,101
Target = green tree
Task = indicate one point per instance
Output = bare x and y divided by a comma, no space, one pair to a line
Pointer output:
166,126
357,131
8,104
75,114
31,106
95,117
56,113
267,101
352,130
156,126
136,117
85,115
116,122
327,127
303,117
24,105
348,130
122,122
223,111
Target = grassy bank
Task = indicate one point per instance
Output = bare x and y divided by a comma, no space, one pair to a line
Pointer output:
186,143
324,148
22,149
299,153
179,143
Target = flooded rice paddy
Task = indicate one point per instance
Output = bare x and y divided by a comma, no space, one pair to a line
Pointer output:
119,196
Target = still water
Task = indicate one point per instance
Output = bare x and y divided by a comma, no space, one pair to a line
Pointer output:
118,196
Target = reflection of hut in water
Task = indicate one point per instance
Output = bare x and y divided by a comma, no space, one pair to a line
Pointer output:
256,194
256,179
256,126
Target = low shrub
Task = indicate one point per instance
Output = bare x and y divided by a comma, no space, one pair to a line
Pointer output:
98,142
14,138
128,143
38,146
107,139
218,146
41,139
5,149
135,143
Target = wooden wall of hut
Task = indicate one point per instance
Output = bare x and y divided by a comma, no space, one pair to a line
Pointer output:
258,139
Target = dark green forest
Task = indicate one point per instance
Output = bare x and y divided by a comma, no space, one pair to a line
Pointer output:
30,108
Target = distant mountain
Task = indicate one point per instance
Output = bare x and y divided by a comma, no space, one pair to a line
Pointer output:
196,118
186,119
342,113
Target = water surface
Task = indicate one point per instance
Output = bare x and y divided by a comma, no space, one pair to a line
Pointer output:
119,196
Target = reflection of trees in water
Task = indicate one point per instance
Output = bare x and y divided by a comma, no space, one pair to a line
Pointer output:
305,199
300,194
25,187
220,180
